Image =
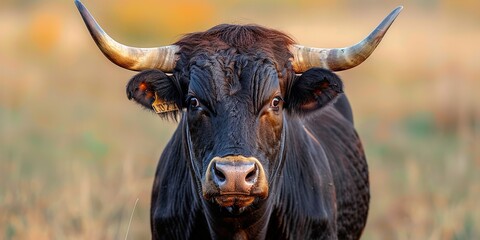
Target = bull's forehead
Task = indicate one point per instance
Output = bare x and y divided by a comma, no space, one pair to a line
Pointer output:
220,77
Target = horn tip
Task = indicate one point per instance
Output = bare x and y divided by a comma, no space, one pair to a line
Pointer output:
385,24
397,10
78,3
81,8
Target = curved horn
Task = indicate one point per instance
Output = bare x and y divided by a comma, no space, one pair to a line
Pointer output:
137,59
338,59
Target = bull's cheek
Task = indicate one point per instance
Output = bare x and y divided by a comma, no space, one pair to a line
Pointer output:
270,130
200,136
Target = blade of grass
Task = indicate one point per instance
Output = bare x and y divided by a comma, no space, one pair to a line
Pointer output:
131,216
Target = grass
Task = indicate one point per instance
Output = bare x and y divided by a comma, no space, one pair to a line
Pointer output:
76,155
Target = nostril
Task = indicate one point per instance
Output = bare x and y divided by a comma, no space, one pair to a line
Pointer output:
252,175
218,174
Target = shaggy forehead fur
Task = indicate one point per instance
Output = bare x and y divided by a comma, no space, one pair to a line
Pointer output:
238,39
234,59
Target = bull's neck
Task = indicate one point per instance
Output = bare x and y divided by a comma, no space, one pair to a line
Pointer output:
252,225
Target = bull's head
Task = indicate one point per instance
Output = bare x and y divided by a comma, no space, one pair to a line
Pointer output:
234,87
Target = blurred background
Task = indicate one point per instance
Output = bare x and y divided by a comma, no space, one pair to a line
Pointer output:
75,154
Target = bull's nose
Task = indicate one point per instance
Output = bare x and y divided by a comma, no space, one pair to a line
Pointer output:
235,179
234,176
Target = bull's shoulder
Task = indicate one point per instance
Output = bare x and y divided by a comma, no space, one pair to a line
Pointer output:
305,204
346,156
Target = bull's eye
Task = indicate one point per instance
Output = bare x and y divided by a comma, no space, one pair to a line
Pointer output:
275,104
194,103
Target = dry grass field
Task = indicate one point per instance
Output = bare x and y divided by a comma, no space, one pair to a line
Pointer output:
75,154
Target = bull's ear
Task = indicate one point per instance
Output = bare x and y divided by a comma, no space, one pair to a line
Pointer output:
156,91
312,90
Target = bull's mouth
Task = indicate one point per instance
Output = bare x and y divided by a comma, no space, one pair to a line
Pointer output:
235,203
234,200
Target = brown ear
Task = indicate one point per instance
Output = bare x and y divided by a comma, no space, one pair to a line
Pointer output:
154,86
313,90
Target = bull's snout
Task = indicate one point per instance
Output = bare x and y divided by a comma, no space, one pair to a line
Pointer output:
235,176
235,180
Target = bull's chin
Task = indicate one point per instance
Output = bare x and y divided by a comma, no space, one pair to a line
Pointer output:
234,204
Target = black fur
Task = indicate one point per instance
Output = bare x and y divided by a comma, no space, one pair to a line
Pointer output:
314,161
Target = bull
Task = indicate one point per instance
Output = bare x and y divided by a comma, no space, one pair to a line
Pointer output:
265,146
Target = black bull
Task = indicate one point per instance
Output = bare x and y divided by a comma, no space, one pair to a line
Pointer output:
260,152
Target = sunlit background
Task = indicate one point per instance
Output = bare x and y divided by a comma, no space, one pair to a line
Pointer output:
75,154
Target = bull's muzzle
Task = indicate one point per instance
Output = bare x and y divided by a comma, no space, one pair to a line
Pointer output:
235,181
